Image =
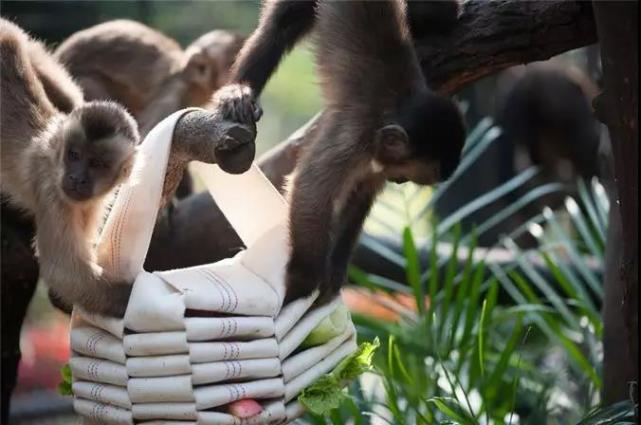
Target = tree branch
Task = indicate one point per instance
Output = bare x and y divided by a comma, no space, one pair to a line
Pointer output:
494,35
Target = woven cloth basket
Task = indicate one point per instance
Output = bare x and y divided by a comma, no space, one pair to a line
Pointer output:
195,339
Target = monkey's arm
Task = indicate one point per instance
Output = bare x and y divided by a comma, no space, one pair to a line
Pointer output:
282,24
67,265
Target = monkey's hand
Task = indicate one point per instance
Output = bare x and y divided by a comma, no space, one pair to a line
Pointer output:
237,103
111,300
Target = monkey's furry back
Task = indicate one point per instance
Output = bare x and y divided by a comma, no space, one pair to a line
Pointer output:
364,52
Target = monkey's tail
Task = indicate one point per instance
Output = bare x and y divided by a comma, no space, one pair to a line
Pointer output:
364,50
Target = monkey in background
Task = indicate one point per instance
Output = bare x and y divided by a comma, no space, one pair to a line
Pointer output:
59,168
546,109
148,72
381,122
58,85
545,113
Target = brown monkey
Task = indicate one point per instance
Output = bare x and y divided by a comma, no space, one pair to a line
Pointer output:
146,71
381,122
59,168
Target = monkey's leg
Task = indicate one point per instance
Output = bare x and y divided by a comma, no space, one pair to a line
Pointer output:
326,169
352,218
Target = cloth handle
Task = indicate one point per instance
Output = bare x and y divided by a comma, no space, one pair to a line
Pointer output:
249,202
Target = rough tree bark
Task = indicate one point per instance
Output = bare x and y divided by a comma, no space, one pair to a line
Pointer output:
618,31
489,37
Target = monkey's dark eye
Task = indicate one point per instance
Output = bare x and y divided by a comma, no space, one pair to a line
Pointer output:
73,155
97,163
201,69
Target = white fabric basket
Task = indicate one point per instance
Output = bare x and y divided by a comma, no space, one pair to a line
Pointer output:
195,339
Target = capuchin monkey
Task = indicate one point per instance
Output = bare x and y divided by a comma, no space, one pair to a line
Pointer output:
147,72
59,168
381,122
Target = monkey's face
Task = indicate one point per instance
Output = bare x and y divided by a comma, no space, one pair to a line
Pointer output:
424,143
91,169
201,73
210,58
98,148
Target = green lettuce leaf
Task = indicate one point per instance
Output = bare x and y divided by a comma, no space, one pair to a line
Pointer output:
64,388
324,395
331,326
327,392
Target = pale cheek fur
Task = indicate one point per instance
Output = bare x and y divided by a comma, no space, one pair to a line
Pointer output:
376,166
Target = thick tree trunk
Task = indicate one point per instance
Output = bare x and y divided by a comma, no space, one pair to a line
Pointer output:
618,30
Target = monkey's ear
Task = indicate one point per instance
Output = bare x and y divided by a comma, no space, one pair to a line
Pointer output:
392,143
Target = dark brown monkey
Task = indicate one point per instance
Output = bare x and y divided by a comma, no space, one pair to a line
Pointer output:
381,122
546,109
59,168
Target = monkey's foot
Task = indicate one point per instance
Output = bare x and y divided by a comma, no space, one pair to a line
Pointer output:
237,103
301,282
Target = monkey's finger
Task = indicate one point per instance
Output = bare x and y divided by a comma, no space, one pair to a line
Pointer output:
258,111
236,150
236,136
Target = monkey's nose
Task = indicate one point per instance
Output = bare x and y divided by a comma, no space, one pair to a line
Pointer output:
76,180
76,188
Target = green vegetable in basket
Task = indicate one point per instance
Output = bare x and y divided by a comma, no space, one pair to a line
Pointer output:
64,387
333,325
327,392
